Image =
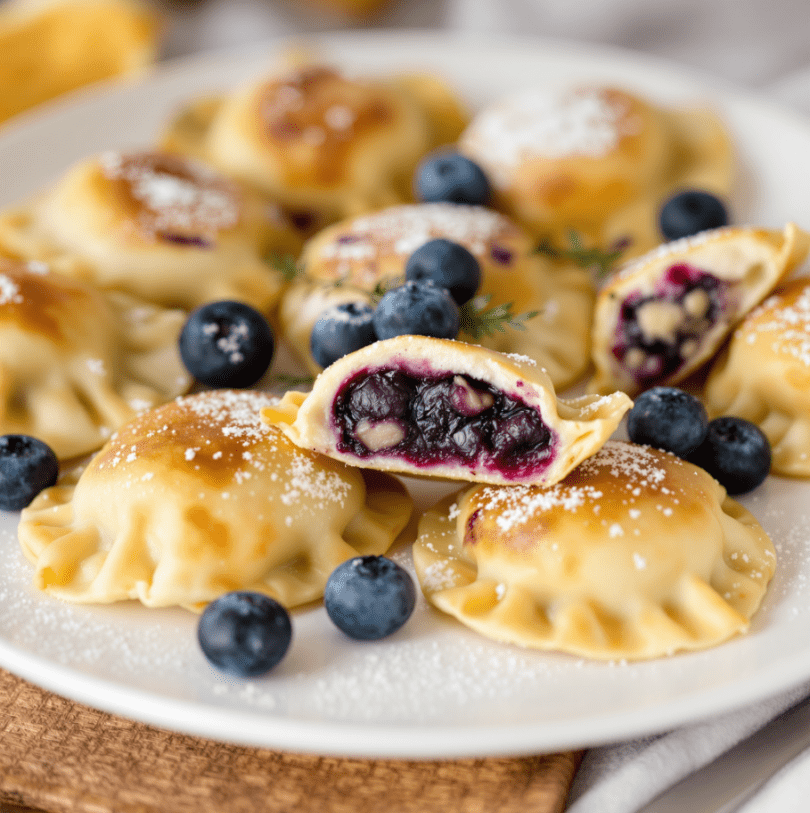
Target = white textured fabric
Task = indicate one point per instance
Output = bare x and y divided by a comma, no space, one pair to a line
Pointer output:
622,778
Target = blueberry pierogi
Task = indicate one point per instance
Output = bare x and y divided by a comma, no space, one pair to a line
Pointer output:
447,409
198,498
596,159
635,554
666,313
162,227
76,363
345,263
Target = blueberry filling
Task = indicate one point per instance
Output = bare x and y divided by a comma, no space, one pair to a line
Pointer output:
441,419
658,333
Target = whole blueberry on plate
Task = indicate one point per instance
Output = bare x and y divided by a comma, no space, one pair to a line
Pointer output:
417,308
341,330
448,265
27,466
668,418
690,212
450,177
736,453
227,344
369,597
244,633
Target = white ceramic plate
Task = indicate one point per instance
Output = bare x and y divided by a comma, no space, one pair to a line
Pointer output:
434,689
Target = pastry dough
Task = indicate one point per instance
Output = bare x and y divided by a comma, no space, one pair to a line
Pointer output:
76,363
596,159
665,314
324,145
764,376
198,498
443,408
636,554
161,227
364,252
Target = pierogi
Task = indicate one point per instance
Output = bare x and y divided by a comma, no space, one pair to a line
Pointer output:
347,261
167,229
598,160
198,498
441,408
636,554
76,363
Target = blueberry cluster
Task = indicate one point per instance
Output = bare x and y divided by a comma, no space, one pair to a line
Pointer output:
734,451
247,634
440,276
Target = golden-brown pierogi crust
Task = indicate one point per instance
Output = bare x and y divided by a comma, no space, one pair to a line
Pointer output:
345,263
636,554
324,145
599,160
198,498
164,228
764,376
76,363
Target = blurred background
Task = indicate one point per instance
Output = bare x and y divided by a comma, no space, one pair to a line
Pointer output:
49,46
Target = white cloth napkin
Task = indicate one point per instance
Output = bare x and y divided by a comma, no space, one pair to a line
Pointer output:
761,44
624,777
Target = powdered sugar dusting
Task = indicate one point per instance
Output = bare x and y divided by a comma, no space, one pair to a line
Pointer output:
179,199
9,291
788,324
400,230
547,123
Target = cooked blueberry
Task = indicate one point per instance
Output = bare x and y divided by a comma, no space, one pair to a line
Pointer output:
417,308
736,453
379,396
668,418
451,178
691,212
244,633
448,265
227,344
341,330
369,597
27,466
520,431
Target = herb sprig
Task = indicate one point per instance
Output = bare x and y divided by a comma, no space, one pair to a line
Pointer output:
600,262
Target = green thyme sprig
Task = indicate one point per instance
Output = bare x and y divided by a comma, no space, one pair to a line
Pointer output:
600,262
289,267
291,380
477,320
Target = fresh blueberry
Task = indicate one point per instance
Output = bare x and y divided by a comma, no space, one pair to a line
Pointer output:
340,330
668,418
448,265
244,633
369,597
27,466
450,177
417,308
691,212
736,453
227,344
